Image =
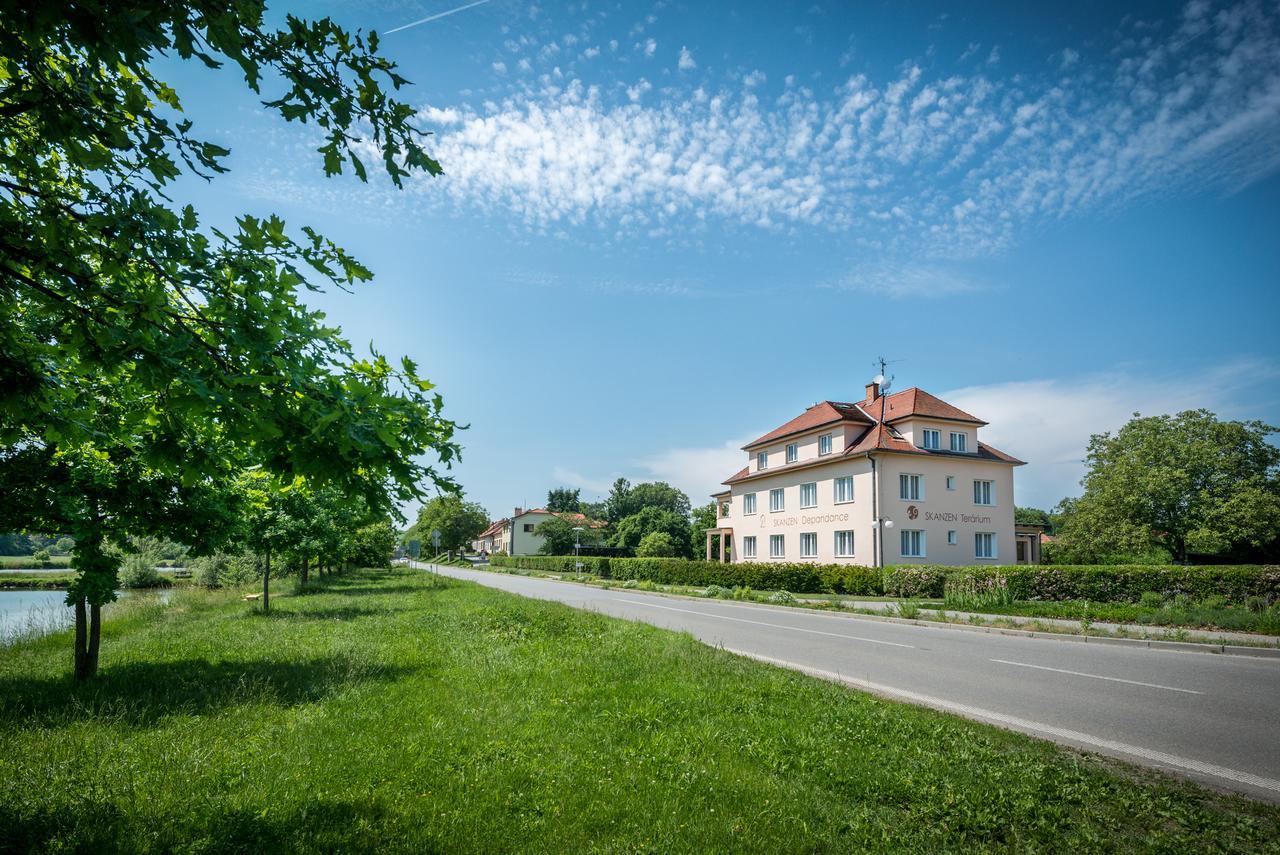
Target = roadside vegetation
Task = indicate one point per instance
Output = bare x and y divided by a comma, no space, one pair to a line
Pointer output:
397,711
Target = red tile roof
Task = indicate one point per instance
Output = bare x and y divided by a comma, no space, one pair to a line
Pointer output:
494,528
917,402
572,516
876,436
823,413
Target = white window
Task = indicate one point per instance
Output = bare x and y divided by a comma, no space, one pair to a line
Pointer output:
984,492
792,452
844,544
951,537
930,439
911,487
724,509
777,548
748,503
749,547
844,489
824,444
959,441
809,495
984,545
912,543
809,544
762,460
777,502
951,482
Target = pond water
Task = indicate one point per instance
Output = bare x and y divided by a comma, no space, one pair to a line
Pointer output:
39,612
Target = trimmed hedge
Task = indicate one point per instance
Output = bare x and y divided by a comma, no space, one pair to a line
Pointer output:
1100,583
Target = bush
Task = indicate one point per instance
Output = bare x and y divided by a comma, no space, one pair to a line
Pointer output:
1236,584
139,571
656,544
915,580
1131,583
41,557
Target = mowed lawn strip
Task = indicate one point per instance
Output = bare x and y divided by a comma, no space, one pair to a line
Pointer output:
391,710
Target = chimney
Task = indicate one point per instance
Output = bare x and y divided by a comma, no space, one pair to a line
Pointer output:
873,392
518,512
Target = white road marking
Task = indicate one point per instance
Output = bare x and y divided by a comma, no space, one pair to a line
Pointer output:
1034,728
1099,677
766,623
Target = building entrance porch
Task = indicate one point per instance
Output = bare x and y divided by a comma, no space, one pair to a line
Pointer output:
726,543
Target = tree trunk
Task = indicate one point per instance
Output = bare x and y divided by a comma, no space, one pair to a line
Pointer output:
266,585
304,570
81,658
95,636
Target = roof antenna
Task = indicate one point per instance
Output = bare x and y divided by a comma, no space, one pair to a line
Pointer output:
882,383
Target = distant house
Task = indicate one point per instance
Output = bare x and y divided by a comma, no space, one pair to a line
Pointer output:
494,538
516,536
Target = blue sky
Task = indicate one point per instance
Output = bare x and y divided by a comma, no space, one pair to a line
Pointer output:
667,228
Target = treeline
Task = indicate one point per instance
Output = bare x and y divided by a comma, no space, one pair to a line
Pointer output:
163,377
651,519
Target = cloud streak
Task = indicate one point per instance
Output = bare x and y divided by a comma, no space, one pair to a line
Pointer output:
950,165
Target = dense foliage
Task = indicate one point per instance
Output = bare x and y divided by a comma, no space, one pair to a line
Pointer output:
146,359
1189,484
457,520
559,535
564,500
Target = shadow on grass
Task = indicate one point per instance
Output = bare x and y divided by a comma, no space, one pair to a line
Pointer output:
140,693
339,613
327,587
323,825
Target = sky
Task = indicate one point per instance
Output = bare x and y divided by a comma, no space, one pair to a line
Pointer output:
666,228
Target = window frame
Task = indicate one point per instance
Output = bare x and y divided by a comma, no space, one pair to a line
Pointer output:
792,452
964,442
991,540
902,483
991,492
935,434
825,441
953,537
782,506
749,546
748,504
811,537
951,482
762,461
852,543
835,490
781,540
724,510
924,549
814,485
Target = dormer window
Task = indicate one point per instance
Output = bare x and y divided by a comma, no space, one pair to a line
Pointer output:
959,441
824,444
793,451
762,460
930,439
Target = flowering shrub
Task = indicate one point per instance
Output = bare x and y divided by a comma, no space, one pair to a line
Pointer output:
923,580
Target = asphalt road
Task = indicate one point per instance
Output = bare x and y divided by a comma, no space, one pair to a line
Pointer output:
1212,718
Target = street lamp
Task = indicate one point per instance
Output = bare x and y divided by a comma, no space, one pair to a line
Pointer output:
577,547
882,525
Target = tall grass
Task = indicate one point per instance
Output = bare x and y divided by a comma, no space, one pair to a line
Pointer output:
975,593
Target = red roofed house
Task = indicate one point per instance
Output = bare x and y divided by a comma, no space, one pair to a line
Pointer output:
820,488
516,536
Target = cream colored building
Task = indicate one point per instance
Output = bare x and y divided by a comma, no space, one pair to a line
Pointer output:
517,535
822,486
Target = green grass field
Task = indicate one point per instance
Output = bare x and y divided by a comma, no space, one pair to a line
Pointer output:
386,710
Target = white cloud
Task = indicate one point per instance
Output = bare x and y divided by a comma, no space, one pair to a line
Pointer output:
1048,422
1069,58
905,281
570,478
699,472
754,79
500,67
948,165
994,56
687,62
649,47
591,52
